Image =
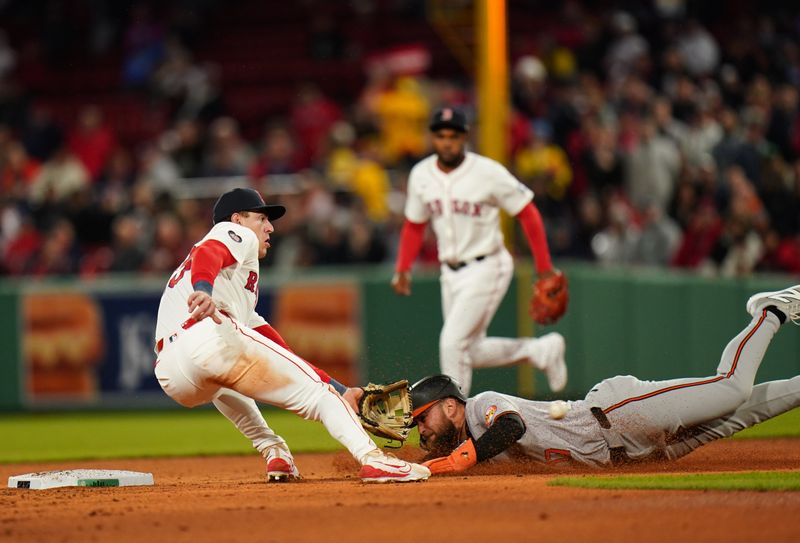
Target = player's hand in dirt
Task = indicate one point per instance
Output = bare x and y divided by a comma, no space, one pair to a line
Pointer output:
401,283
201,305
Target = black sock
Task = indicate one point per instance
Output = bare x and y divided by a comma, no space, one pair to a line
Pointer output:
777,312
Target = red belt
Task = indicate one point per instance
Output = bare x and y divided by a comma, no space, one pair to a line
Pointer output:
188,323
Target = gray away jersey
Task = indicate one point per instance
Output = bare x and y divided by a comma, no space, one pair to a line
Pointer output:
576,436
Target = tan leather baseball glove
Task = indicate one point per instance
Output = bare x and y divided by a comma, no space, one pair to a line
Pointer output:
550,297
385,410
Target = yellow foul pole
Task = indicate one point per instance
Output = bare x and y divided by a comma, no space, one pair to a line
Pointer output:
493,116
492,70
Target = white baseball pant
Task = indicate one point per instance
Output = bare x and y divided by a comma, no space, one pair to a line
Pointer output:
231,365
470,298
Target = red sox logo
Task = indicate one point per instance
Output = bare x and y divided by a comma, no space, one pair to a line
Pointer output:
458,207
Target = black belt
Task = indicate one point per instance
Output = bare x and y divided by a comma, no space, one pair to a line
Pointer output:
458,265
618,455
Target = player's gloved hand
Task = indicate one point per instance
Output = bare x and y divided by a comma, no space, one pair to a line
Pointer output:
201,305
550,297
463,458
401,283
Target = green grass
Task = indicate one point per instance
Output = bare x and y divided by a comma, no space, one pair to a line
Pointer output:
754,480
93,435
786,425
38,437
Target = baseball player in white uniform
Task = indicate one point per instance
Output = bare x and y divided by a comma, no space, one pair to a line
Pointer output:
213,347
622,419
461,194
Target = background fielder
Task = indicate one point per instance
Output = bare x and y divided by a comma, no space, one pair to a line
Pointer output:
622,419
461,194
213,347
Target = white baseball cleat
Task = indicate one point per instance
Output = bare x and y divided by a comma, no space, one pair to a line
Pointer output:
787,301
280,465
547,355
381,468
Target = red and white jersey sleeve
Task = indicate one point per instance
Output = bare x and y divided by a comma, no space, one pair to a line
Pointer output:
235,288
464,205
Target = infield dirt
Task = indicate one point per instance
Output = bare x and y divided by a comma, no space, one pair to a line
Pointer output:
220,499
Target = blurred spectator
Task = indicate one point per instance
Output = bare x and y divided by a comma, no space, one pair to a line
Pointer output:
58,178
365,244
311,117
127,253
652,168
602,162
739,249
700,237
227,154
784,124
658,240
614,245
183,143
543,165
698,49
627,50
528,86
702,136
92,141
278,155
21,240
57,254
360,171
402,114
168,247
8,58
157,168
114,184
143,42
17,171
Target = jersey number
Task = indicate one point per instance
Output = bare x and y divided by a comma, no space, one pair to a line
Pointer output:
556,456
178,275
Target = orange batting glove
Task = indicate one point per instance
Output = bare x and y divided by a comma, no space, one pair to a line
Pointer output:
463,458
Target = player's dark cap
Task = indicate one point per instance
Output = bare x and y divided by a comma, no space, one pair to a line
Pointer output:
448,117
428,391
238,200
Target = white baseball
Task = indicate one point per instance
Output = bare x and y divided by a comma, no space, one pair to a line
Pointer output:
558,409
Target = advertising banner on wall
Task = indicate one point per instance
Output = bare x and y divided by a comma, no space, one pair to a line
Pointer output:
95,349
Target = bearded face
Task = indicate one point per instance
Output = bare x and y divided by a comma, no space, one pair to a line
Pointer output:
437,433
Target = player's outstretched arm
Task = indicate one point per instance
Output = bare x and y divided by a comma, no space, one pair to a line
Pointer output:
506,430
410,244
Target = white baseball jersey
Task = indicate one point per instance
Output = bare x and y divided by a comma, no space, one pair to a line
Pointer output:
575,437
464,204
235,288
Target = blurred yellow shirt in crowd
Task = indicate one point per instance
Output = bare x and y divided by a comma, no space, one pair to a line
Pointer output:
403,118
546,163
365,177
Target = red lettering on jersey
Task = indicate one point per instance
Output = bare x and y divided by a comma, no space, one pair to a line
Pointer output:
252,282
477,208
182,269
460,208
434,207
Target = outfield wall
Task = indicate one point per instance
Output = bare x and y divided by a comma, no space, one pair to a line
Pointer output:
89,344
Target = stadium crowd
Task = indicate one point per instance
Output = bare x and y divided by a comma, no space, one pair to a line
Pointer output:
666,135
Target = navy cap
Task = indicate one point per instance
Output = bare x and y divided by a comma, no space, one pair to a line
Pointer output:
448,117
238,200
429,390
